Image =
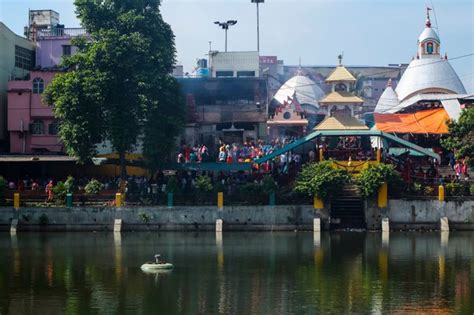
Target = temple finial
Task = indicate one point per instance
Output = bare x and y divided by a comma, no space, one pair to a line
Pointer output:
428,21
340,57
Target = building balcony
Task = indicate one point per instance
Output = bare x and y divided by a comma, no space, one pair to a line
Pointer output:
61,32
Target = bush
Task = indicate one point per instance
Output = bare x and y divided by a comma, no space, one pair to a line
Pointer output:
454,189
429,190
93,187
321,179
203,184
371,178
60,191
70,185
269,184
416,188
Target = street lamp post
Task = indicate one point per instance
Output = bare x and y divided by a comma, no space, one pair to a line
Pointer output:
258,22
225,27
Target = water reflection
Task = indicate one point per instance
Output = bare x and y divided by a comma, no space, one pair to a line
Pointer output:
245,273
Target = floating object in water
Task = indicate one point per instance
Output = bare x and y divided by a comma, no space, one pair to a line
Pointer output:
157,265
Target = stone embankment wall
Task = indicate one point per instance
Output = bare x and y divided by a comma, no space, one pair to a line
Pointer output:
403,214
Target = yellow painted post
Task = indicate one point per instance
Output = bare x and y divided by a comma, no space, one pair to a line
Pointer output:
441,193
16,200
220,200
379,155
118,200
383,195
321,155
318,203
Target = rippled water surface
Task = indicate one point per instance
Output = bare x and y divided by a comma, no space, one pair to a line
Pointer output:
238,273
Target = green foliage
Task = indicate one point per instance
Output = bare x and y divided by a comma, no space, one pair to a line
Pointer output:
93,187
70,185
60,191
3,185
172,185
371,178
428,190
203,184
145,217
269,184
320,179
454,189
461,135
119,86
416,187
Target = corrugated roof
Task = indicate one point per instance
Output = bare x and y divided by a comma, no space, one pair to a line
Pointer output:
341,97
340,74
341,123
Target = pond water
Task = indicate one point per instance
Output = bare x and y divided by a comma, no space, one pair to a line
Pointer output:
238,273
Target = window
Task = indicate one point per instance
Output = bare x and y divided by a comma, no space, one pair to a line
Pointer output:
245,74
53,128
223,74
38,86
37,127
66,50
24,58
340,87
429,48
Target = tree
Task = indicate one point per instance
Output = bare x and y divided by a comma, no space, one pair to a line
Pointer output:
118,87
461,135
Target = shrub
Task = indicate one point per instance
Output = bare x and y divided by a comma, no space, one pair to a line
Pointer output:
93,187
371,178
416,187
203,184
269,184
145,217
321,179
454,189
60,191
428,190
172,185
70,185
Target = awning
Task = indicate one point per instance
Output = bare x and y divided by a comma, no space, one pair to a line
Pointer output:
209,166
431,121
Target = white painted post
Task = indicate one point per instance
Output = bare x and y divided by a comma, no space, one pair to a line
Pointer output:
219,225
385,225
118,225
444,224
316,225
14,226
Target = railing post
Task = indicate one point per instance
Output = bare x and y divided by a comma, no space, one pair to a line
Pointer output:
16,200
220,200
271,199
318,203
441,193
118,200
170,200
383,195
69,200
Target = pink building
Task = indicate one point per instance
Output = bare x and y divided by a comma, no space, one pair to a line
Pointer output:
31,123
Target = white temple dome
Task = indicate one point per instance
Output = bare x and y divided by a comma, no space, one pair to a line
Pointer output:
427,75
428,33
387,101
305,89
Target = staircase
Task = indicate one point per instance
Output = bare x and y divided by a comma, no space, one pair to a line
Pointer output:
347,209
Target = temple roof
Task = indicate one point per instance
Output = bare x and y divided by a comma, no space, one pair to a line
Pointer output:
340,74
341,122
341,97
428,33
388,100
305,90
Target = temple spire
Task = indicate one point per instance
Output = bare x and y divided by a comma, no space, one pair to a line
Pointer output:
340,57
428,21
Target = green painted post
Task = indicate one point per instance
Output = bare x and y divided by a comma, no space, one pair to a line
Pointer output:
170,200
271,199
69,200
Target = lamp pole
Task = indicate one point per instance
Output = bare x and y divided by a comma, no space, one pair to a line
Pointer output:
225,27
258,22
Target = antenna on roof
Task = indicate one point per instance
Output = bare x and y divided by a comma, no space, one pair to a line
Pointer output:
436,20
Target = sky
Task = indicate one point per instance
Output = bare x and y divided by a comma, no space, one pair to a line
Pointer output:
369,32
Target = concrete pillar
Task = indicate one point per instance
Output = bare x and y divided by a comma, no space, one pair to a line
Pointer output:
444,224
170,200
69,200
316,225
383,196
219,225
118,200
318,203
220,200
441,193
16,200
271,199
118,225
385,225
14,226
